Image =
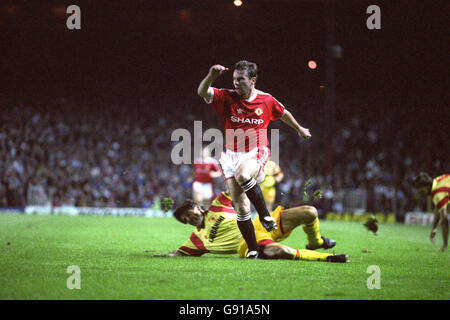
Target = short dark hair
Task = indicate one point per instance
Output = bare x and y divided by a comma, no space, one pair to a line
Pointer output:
250,67
422,180
186,205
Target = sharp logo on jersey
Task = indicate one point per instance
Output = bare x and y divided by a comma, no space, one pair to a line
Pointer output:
215,227
247,120
258,112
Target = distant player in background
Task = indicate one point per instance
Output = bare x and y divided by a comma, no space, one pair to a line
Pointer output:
274,175
246,114
206,170
439,189
217,232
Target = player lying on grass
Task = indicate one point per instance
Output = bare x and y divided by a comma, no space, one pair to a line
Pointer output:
217,232
439,189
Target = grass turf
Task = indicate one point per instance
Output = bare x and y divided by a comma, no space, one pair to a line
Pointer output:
114,255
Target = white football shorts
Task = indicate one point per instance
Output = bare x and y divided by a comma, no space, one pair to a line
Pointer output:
205,189
230,161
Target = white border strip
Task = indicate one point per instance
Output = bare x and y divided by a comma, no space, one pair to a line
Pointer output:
92,211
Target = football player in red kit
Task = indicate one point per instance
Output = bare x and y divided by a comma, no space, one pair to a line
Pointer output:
206,169
246,113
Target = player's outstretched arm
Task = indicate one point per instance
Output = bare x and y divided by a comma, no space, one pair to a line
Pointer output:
174,253
444,225
204,89
289,119
435,224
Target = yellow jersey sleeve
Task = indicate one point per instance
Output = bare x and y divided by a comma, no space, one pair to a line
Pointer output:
440,191
193,246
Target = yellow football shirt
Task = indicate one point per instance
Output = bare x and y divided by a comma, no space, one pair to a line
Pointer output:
440,191
271,170
220,233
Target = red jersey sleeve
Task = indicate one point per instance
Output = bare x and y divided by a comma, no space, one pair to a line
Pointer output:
218,100
276,109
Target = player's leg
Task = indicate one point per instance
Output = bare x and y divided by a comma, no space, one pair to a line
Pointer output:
197,192
206,203
207,194
269,197
444,226
435,224
308,217
244,219
269,205
278,251
246,175
197,197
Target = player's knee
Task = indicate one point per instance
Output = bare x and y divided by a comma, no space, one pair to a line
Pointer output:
311,212
244,172
242,176
241,206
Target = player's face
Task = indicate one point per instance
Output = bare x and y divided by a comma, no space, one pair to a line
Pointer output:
193,217
242,83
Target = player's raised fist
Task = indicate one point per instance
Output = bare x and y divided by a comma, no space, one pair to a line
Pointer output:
217,70
304,133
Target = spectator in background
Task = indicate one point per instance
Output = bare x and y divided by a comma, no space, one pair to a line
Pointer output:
206,169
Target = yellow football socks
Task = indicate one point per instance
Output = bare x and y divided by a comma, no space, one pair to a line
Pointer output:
313,234
310,255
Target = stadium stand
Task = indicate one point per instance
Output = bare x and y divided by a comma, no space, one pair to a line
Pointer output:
81,159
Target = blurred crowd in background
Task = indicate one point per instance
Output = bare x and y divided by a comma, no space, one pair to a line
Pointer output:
117,157
87,115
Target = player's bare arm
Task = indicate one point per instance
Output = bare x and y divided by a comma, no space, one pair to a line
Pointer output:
444,224
289,119
204,89
435,225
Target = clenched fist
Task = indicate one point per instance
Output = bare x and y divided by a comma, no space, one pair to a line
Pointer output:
304,133
217,70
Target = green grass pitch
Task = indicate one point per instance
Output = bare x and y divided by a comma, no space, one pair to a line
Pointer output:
114,255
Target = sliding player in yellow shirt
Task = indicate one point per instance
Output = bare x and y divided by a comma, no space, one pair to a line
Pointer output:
439,188
274,175
217,232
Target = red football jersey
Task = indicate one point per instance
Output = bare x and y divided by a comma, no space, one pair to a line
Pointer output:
245,122
203,168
